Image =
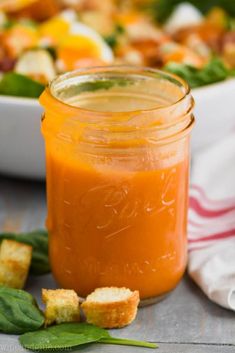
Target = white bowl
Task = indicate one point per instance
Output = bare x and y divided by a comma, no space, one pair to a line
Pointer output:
21,143
22,147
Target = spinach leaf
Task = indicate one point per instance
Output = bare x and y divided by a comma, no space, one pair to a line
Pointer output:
214,71
162,9
127,342
39,241
19,312
71,335
13,84
62,336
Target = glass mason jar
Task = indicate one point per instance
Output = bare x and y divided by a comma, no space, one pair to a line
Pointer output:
117,155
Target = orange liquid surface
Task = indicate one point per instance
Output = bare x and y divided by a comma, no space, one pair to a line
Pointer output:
116,227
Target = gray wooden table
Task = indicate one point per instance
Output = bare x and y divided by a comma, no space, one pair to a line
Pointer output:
184,322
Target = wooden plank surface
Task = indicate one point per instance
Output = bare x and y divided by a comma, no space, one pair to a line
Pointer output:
10,345
186,321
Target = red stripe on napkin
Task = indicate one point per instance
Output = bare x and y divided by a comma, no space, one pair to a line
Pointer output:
222,235
206,212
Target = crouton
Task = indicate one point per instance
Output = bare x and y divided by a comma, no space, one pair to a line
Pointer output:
111,307
62,305
15,259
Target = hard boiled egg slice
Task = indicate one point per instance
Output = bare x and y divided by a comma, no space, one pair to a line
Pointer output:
82,43
183,16
53,30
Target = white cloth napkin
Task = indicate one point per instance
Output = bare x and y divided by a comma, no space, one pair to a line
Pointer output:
211,228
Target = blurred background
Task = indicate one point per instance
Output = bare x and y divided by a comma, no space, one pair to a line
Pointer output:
40,39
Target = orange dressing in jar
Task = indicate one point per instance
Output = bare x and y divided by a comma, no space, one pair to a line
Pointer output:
117,154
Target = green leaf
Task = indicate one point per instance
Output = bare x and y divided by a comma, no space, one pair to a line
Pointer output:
162,9
232,73
39,241
113,39
231,24
51,51
127,342
214,71
19,312
62,336
8,24
27,22
71,335
13,84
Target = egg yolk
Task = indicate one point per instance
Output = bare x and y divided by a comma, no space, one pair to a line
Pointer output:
74,48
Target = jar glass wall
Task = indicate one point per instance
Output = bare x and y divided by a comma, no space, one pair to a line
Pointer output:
117,154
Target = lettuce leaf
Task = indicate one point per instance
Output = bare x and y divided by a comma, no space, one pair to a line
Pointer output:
13,84
214,71
162,9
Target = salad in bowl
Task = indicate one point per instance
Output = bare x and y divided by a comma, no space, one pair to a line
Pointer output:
34,48
39,40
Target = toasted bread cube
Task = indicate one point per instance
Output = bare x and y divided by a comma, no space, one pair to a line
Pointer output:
62,305
111,307
15,260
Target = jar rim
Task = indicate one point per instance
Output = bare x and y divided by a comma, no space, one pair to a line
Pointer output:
144,71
